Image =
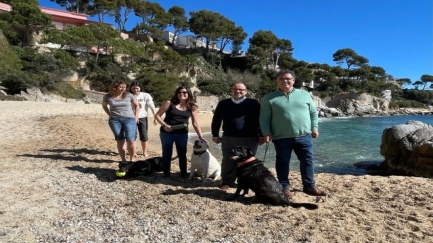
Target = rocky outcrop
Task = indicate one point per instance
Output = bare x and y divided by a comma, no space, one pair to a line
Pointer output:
323,110
359,105
387,94
35,94
353,104
317,101
408,149
330,112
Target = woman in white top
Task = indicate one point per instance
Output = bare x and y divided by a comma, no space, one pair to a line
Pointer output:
145,101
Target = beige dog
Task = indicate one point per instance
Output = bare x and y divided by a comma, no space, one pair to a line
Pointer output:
203,162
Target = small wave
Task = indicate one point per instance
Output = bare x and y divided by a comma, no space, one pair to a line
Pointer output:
330,119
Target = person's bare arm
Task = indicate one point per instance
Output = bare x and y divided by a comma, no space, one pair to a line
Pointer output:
105,107
136,108
154,116
164,107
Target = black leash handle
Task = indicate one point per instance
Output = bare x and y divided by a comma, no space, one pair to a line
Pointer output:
266,150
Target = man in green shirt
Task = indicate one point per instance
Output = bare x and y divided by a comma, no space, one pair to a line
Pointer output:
288,118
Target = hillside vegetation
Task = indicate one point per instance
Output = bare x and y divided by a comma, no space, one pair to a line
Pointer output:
10,60
160,66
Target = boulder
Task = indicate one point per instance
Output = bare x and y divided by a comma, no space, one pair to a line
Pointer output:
330,112
35,94
408,149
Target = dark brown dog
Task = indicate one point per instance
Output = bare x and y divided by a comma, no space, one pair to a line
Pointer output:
252,174
141,167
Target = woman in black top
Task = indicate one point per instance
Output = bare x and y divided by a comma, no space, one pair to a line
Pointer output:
174,127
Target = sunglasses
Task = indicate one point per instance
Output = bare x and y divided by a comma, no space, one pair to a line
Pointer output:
182,92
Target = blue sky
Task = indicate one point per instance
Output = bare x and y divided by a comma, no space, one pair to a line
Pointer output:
394,34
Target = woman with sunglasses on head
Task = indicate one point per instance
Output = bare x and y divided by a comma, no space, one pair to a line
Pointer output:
123,109
174,127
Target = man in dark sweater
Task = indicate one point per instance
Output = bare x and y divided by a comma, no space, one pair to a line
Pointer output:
239,117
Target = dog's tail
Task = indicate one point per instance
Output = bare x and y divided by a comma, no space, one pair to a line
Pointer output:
309,206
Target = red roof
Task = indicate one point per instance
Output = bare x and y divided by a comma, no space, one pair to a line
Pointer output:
58,15
5,7
61,13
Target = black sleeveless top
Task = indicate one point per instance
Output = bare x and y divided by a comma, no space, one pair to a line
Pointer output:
174,116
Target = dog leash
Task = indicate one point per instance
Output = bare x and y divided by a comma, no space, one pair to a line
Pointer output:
266,150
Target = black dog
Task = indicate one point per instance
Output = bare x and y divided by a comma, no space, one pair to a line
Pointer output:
252,174
141,167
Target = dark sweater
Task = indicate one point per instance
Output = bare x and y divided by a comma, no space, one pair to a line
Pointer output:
238,120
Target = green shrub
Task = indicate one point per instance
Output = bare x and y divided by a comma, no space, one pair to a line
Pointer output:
407,104
9,61
103,72
66,90
160,85
66,59
16,82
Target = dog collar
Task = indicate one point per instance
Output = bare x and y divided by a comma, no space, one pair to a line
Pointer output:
199,153
246,161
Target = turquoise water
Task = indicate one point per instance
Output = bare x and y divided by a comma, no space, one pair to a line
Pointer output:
342,142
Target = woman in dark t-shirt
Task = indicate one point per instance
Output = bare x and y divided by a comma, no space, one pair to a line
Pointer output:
174,127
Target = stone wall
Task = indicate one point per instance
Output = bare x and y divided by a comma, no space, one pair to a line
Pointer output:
94,96
35,94
206,104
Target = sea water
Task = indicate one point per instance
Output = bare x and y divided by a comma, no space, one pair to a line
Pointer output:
342,143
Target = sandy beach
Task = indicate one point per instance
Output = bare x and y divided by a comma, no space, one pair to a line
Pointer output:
58,164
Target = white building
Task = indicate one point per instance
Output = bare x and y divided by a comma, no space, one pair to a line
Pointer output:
188,41
168,36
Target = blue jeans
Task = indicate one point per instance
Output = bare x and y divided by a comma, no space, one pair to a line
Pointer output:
303,148
181,141
123,128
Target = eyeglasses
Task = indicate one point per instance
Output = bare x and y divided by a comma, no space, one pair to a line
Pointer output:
182,92
238,90
283,79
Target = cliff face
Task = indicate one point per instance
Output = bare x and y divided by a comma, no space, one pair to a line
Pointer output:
358,103
353,104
